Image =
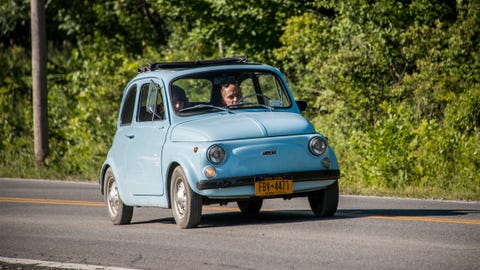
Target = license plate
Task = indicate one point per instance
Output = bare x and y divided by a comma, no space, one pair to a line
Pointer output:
268,186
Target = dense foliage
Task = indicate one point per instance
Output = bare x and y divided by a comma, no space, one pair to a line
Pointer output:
395,85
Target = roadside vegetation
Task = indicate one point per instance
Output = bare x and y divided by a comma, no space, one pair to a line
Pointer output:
395,85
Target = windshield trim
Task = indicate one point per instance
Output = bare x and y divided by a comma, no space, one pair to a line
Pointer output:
210,74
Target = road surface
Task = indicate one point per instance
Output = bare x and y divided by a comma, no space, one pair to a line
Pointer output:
66,222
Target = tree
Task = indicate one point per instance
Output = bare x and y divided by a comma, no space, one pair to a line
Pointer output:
39,81
395,85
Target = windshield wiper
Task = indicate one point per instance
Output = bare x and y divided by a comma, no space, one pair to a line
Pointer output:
252,104
205,106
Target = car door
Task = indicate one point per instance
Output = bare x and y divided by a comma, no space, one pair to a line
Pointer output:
146,140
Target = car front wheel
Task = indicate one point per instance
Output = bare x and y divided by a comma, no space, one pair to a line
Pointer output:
186,204
118,212
324,202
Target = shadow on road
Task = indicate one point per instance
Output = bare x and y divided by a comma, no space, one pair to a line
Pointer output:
264,217
226,219
405,212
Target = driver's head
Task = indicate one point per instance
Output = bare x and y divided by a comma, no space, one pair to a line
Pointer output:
231,93
179,99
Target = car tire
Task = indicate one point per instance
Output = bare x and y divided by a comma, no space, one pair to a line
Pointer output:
324,202
250,207
118,212
186,204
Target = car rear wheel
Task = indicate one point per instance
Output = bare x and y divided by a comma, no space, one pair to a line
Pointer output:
186,204
324,202
250,207
118,212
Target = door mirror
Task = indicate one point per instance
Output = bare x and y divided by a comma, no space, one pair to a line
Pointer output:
302,105
152,97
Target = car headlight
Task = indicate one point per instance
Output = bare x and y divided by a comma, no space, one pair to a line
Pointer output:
318,146
216,154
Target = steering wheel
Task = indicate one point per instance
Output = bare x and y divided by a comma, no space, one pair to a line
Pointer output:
252,95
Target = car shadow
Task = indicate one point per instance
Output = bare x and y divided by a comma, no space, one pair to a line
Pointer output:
236,218
168,220
405,212
299,216
228,219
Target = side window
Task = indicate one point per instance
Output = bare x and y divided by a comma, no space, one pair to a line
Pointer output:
143,115
128,106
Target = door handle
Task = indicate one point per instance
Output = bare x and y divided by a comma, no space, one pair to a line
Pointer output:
130,136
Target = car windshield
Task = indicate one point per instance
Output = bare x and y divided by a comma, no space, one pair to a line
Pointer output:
228,91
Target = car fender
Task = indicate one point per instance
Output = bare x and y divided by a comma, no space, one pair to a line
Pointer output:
110,163
333,159
182,154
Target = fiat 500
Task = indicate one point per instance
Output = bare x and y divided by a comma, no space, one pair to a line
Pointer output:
213,132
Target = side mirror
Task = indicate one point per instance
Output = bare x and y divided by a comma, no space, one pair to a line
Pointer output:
302,105
152,97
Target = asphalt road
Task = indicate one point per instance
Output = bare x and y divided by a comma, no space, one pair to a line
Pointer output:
66,222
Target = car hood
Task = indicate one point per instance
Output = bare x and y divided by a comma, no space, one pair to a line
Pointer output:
219,127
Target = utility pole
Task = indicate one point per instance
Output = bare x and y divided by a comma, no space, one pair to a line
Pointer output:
39,81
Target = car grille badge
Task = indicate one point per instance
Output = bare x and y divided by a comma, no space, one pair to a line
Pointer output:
269,152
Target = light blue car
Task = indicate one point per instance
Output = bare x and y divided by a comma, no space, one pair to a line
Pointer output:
214,132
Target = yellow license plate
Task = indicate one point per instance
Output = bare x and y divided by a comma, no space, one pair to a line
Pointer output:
269,186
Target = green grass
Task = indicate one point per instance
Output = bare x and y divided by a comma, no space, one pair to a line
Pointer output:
24,169
410,192
21,168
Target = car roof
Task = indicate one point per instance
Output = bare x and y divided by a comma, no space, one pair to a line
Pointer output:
193,64
171,70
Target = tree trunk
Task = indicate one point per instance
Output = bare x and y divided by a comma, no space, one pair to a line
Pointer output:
39,81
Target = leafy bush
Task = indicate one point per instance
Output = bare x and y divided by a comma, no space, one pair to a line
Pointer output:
395,85
398,96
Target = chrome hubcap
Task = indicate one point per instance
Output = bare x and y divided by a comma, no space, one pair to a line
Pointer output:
113,198
181,199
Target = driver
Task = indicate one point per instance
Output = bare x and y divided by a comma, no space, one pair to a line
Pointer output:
231,93
179,99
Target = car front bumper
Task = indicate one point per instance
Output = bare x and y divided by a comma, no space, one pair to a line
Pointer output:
250,180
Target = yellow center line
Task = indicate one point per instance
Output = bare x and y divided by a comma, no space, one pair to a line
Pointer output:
49,201
228,209
428,219
221,209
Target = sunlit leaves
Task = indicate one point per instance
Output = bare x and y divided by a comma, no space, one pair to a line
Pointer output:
395,85
391,79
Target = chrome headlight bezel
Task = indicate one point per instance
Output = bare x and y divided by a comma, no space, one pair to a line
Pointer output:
318,146
216,154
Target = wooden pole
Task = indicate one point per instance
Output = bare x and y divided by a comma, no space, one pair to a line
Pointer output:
39,81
